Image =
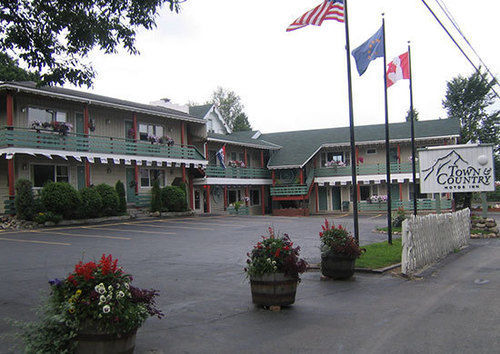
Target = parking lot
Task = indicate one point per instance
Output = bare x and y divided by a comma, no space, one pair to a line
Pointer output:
197,264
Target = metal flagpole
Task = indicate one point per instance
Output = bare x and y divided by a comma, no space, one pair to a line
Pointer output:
412,121
387,148
351,128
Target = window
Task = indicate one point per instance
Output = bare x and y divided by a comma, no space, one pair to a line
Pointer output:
149,129
254,197
212,157
149,175
364,192
233,156
374,190
331,156
49,173
371,151
233,196
45,115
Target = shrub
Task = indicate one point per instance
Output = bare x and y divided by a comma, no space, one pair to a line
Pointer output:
42,217
122,201
173,199
156,200
25,202
398,218
109,199
60,198
91,206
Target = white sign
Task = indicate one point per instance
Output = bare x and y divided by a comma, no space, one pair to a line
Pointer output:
457,168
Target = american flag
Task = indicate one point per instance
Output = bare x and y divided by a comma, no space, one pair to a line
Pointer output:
328,10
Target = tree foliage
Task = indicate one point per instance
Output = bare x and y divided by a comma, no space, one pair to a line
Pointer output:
415,115
54,36
241,123
11,71
470,99
228,103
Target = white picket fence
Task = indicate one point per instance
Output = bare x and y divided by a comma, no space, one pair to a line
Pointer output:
429,238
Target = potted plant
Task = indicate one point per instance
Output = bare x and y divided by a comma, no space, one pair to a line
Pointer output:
339,251
273,267
93,310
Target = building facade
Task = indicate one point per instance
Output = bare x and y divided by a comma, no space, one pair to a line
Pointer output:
56,134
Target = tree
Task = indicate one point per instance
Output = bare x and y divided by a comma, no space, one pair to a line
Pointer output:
469,99
241,123
415,115
228,103
10,70
54,37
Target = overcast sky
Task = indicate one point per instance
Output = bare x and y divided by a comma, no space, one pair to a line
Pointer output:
298,80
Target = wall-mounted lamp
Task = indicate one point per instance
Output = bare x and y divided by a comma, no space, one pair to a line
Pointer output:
108,121
25,166
170,130
108,170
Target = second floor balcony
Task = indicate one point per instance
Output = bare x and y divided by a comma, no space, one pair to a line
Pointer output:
237,172
364,169
33,140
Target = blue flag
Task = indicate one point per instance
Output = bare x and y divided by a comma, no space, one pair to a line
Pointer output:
368,51
220,156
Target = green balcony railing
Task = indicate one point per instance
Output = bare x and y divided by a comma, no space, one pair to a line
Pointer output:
237,172
29,138
293,189
364,169
422,204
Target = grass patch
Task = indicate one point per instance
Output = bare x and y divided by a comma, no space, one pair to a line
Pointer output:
394,229
380,255
480,232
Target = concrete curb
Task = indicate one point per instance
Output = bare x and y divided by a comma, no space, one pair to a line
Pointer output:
360,270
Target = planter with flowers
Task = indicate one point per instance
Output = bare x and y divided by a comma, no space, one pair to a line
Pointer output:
93,310
273,267
63,128
339,251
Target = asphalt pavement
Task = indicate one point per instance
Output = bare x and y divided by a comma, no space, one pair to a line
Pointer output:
197,264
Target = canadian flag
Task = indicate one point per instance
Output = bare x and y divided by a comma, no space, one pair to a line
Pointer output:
398,69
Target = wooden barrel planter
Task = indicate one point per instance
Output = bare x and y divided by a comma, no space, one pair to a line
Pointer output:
274,289
90,342
336,266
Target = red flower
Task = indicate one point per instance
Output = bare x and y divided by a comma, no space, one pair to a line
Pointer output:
320,234
277,254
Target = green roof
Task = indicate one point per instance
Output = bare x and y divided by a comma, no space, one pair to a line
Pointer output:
200,111
299,146
243,139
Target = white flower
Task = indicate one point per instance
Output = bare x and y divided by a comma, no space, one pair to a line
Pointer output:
274,262
106,308
108,297
268,260
110,288
120,294
101,291
102,299
127,286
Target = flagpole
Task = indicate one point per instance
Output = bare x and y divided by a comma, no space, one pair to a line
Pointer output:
351,129
387,147
412,119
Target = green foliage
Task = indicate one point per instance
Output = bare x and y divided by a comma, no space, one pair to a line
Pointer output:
173,199
10,70
470,99
156,199
54,37
338,240
122,201
109,199
415,115
237,205
25,201
91,205
398,217
275,254
241,123
43,217
60,198
228,103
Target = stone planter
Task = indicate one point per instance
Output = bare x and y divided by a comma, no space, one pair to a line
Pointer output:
273,289
337,266
92,342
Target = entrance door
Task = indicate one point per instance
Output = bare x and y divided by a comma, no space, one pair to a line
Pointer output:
81,142
395,191
80,177
322,201
198,200
130,185
336,198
